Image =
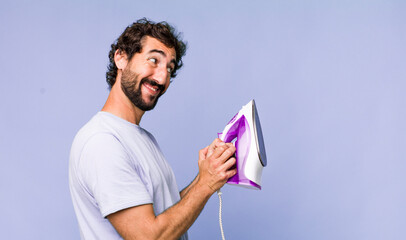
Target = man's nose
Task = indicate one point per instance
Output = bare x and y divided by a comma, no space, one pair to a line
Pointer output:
161,75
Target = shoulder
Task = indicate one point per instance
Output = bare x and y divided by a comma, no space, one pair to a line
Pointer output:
98,125
96,136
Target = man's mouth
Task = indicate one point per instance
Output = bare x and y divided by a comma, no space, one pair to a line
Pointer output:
153,87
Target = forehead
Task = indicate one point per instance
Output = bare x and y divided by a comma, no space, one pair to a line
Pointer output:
150,43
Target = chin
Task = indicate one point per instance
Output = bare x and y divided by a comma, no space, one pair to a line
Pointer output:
148,105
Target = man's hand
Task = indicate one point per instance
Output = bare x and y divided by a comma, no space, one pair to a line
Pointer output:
215,163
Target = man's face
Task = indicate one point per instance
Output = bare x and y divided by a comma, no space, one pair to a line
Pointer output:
147,75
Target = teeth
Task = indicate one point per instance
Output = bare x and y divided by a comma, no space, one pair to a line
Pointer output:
150,87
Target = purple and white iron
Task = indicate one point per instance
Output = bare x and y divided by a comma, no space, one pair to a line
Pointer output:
245,129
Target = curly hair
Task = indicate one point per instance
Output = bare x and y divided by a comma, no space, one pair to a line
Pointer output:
130,42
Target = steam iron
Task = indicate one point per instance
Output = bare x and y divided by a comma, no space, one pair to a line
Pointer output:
244,130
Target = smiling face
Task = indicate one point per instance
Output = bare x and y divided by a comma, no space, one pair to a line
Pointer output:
147,75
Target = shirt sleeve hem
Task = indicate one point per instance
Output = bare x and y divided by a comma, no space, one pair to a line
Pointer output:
123,206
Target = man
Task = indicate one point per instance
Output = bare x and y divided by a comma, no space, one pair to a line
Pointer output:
120,183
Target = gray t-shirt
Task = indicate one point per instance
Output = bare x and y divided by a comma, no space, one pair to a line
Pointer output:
115,165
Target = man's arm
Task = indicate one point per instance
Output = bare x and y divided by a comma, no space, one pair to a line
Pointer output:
186,189
140,222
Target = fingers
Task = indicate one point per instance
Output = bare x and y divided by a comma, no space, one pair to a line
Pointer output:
224,152
231,173
219,143
227,170
228,153
216,164
216,147
213,146
228,164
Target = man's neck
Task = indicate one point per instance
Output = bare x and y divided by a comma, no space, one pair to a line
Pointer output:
119,105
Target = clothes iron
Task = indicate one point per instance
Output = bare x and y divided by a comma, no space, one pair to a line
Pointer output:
244,130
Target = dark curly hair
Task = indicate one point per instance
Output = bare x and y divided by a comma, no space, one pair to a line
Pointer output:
130,43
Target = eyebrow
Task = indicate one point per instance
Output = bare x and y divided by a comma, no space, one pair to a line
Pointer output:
162,53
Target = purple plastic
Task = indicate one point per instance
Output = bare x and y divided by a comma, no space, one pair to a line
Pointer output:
240,130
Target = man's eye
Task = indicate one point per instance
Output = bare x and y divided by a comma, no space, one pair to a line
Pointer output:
153,60
170,70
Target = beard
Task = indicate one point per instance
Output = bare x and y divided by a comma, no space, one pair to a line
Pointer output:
131,86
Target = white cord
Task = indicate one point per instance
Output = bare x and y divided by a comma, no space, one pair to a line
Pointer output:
220,221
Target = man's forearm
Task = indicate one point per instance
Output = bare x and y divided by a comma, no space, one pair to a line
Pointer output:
187,188
177,219
141,223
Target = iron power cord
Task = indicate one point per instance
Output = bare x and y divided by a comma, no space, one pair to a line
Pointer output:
220,220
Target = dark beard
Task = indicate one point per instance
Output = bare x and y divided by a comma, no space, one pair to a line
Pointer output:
129,82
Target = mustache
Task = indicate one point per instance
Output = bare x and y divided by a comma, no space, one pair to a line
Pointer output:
153,83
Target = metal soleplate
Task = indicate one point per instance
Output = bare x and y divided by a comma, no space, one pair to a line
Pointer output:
258,135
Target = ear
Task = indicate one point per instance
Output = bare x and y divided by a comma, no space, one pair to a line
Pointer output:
120,58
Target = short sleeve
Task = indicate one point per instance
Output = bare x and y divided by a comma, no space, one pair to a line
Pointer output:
112,178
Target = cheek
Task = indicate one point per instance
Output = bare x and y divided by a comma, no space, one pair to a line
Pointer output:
142,68
166,86
168,83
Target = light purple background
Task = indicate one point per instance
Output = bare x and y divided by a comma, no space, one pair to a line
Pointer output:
328,78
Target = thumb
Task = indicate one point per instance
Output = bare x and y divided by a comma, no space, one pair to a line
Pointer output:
203,153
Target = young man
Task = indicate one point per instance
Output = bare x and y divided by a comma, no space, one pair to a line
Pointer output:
120,183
